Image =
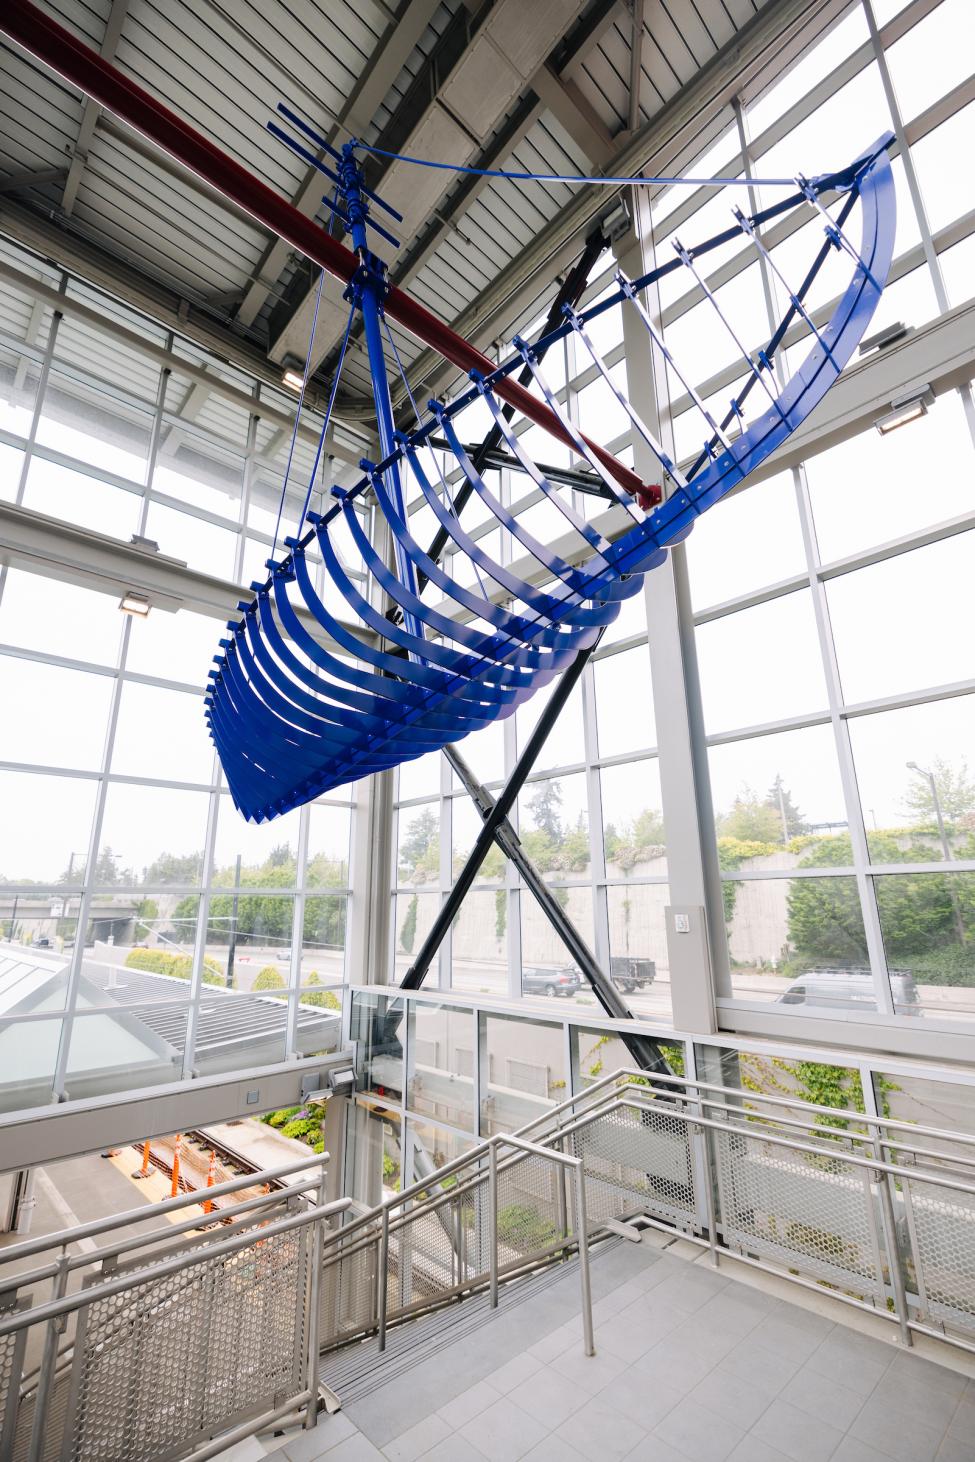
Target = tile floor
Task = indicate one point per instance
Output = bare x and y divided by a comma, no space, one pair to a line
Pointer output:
690,1366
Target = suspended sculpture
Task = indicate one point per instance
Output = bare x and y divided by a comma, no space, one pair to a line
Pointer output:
295,712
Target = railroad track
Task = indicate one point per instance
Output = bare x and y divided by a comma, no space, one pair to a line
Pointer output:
194,1163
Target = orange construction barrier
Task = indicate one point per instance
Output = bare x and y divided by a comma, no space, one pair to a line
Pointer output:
209,1204
143,1171
174,1187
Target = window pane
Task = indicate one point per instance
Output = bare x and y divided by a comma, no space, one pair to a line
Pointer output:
323,940
548,971
54,717
478,943
466,824
484,753
565,743
414,914
932,57
799,942
865,491
81,421
161,733
11,464
928,920
816,63
554,825
761,664
152,835
898,806
38,613
947,190
526,1072
46,821
783,792
177,646
418,847
639,964
419,778
624,702
202,545
19,373
441,1069
633,827
745,542
262,946
890,620
77,497
267,850
328,847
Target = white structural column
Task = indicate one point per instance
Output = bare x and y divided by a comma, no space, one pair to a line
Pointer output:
695,927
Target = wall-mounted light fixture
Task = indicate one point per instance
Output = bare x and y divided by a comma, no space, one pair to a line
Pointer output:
133,603
887,336
906,408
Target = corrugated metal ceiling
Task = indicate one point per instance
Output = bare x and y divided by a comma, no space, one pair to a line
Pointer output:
223,64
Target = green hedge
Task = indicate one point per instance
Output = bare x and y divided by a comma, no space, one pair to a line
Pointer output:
177,966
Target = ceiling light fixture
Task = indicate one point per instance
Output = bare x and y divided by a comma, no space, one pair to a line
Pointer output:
292,380
133,603
906,408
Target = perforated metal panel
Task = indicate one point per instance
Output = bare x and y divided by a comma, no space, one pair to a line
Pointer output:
349,1292
637,1162
944,1235
813,1213
11,1363
162,1364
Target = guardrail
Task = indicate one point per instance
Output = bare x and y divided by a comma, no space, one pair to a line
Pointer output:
864,1207
182,1340
501,1209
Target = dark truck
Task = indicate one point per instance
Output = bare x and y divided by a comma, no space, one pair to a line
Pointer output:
629,973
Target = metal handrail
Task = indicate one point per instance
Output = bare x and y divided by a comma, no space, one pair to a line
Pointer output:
54,1309
137,1215
146,1241
697,1084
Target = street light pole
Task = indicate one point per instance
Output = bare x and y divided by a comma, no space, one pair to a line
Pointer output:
945,846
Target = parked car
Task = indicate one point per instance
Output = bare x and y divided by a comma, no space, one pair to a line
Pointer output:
832,989
630,973
539,980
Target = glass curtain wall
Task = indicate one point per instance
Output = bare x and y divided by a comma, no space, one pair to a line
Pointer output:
829,609
116,830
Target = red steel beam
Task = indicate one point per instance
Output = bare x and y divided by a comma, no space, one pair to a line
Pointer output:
84,68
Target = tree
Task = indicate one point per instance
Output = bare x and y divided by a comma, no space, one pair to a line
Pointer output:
408,931
956,793
791,821
173,868
419,849
751,819
917,912
545,805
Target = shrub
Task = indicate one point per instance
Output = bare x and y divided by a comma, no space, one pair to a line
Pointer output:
177,966
268,979
156,961
325,999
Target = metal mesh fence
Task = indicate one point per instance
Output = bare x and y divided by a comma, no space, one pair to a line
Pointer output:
812,1212
349,1292
637,1161
164,1363
11,1361
943,1223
